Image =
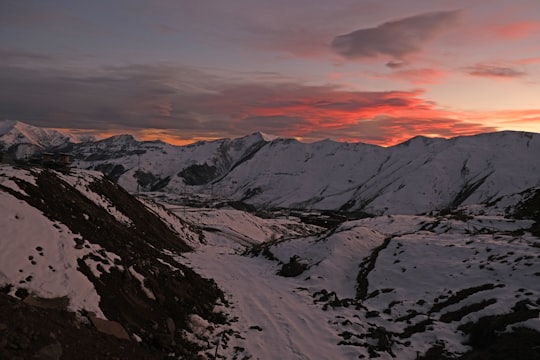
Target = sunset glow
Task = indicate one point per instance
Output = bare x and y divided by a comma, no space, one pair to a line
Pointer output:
188,71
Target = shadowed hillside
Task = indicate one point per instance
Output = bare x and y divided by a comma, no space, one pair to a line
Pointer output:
129,255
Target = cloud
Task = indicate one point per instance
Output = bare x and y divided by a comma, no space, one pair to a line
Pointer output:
318,112
493,71
122,97
518,30
182,104
510,119
422,76
397,39
23,57
395,64
298,40
532,60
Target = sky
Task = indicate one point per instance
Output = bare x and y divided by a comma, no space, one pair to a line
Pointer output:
371,71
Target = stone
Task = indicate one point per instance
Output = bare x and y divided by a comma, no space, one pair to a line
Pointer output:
60,303
109,327
50,352
171,326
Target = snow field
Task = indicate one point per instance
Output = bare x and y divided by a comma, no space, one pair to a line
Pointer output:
40,255
426,262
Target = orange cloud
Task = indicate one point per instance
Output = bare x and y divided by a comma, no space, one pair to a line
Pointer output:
397,130
518,30
335,108
170,136
382,118
521,119
532,60
358,125
314,113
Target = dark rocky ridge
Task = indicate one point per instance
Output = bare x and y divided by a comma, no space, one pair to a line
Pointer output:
179,291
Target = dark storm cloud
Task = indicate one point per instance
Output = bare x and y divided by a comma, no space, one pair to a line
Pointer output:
397,38
123,97
484,70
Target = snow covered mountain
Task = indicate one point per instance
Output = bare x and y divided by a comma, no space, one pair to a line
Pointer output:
417,176
414,177
154,165
23,140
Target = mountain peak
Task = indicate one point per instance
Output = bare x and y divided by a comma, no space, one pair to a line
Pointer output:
267,137
122,138
5,125
10,125
261,136
14,132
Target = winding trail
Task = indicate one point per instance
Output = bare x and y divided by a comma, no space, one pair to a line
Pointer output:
273,312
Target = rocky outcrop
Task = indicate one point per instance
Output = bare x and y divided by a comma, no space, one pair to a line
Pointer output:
145,289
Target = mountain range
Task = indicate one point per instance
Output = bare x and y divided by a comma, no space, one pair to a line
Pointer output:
417,176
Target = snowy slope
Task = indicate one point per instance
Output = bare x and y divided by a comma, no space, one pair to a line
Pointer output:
38,254
384,287
154,165
413,177
15,134
79,241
